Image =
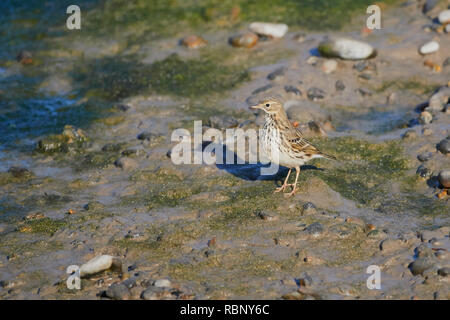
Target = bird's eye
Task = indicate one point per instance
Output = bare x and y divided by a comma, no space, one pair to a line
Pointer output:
267,105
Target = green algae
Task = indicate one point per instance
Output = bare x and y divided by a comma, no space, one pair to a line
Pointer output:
45,225
363,168
167,18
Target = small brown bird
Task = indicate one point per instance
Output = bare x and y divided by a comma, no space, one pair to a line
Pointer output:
284,144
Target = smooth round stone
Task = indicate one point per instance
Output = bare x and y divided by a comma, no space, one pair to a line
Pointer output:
444,178
425,156
429,47
425,118
444,146
193,42
339,85
97,264
162,283
438,101
421,265
347,49
246,40
329,66
274,30
444,17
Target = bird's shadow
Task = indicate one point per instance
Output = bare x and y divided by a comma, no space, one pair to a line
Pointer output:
252,171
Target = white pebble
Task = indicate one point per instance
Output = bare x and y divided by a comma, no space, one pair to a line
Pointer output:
429,47
162,283
347,49
269,29
96,265
329,66
444,16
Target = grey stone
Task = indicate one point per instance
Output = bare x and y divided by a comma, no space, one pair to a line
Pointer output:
315,228
277,74
421,265
292,89
444,146
339,85
118,291
315,94
425,156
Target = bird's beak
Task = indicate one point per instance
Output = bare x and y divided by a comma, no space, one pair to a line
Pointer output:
255,107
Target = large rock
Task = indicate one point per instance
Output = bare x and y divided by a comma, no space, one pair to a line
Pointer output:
347,49
272,30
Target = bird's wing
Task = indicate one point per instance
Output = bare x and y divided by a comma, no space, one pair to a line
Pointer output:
299,143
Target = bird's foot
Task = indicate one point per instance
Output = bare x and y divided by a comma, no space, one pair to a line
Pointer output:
290,194
284,186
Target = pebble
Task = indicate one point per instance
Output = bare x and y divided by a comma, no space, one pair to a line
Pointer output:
446,61
429,5
339,85
444,146
273,30
126,163
155,293
263,88
444,271
390,245
425,156
277,74
98,264
421,265
34,216
427,131
439,100
329,66
314,229
193,42
315,94
299,37
162,283
425,117
410,134
347,49
365,92
24,57
146,135
309,208
444,16
424,172
266,216
429,47
312,60
245,40
292,89
118,291
20,172
444,178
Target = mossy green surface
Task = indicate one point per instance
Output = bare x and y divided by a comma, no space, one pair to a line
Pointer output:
364,168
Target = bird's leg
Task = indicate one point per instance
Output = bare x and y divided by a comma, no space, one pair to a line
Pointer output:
285,183
297,170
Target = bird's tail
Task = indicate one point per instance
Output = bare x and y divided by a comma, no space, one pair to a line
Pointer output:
327,156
